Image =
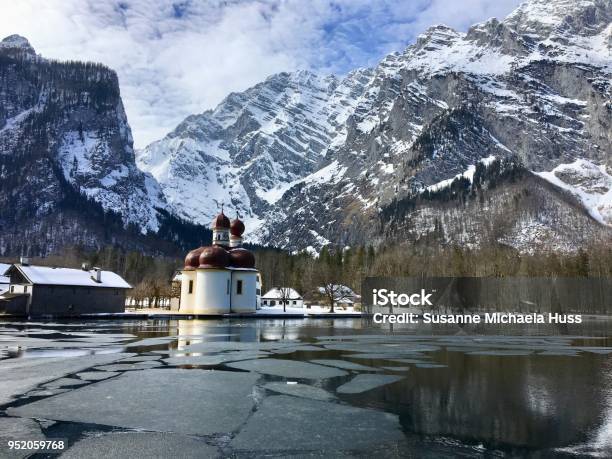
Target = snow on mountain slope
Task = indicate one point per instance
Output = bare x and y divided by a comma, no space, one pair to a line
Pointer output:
590,183
468,174
453,99
315,159
251,144
67,118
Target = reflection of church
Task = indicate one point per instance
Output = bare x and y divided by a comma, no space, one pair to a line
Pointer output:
221,278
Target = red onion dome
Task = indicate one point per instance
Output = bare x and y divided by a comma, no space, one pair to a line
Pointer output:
192,260
221,222
237,227
214,257
241,258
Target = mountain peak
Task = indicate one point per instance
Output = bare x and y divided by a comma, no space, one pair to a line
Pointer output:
17,42
435,37
540,17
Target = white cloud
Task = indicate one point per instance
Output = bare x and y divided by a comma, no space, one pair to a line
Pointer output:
175,58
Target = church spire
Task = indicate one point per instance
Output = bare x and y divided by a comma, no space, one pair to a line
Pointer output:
221,229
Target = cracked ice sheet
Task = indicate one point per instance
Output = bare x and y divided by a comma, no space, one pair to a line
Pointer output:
191,402
299,390
216,359
366,382
302,428
288,368
96,375
18,429
18,376
220,346
152,445
64,382
129,366
303,348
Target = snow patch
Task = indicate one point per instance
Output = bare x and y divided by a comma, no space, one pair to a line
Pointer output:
468,174
590,183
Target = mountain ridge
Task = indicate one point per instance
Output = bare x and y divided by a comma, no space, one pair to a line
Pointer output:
426,146
67,167
419,117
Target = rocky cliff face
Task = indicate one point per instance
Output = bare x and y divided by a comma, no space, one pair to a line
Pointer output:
253,146
316,160
500,135
67,166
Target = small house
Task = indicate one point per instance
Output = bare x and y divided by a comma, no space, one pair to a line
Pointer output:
47,291
341,295
278,295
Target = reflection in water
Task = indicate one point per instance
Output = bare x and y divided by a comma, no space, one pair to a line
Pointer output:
599,442
603,435
556,403
502,401
530,401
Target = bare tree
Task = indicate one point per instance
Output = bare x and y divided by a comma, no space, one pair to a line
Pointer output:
284,296
335,293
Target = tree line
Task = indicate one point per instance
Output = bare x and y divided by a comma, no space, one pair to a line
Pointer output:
151,275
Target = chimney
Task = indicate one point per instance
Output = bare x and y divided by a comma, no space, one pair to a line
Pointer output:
25,261
97,275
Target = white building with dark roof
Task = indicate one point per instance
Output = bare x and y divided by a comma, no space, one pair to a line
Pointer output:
221,278
47,291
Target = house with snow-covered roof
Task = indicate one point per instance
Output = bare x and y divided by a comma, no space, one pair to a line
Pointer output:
277,295
36,291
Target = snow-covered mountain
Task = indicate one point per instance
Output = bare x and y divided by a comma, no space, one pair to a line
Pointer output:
251,148
314,159
500,135
67,168
91,141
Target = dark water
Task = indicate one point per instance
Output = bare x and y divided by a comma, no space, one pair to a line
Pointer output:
483,391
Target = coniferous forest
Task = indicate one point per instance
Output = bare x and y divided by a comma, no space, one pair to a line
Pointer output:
151,275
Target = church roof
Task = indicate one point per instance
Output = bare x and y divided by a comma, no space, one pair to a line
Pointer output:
221,221
237,227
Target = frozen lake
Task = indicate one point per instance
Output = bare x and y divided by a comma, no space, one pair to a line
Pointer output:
278,388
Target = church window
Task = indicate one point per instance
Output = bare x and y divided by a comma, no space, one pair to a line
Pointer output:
239,287
190,287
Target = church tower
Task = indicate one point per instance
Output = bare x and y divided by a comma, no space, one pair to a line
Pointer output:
221,230
236,231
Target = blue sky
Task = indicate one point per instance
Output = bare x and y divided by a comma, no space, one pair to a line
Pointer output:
178,57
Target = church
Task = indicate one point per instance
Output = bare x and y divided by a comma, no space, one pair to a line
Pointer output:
221,278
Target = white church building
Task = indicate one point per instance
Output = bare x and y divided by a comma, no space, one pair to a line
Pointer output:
221,278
